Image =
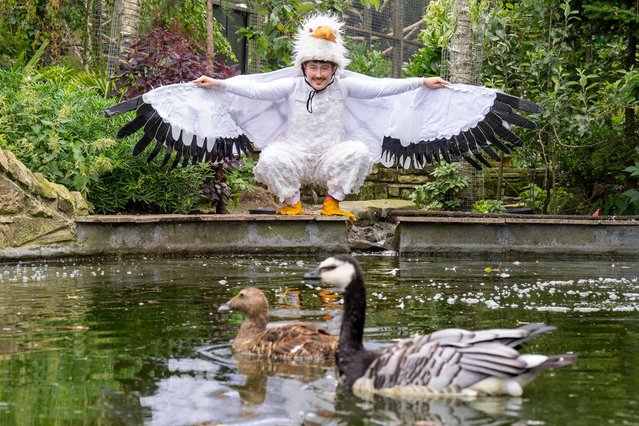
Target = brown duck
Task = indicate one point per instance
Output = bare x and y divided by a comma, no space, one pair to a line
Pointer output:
294,340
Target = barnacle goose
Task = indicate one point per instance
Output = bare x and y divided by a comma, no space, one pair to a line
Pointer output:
451,362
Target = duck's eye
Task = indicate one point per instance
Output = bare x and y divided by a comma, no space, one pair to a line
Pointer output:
328,268
241,294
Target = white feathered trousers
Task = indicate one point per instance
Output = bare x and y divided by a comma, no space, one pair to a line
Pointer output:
341,167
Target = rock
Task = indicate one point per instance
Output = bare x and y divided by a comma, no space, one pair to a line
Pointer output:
11,198
33,211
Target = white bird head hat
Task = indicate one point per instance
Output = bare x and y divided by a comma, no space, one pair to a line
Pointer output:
320,39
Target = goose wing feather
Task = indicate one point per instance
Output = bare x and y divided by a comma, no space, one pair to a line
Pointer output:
451,359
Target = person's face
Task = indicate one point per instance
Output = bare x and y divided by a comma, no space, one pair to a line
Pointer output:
319,74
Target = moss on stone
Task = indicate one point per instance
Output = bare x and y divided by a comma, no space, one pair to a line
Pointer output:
43,187
28,230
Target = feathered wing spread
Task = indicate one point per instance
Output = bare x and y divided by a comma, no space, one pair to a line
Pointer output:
425,126
451,361
412,129
202,124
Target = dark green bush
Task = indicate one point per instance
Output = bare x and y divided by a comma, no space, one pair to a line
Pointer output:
55,130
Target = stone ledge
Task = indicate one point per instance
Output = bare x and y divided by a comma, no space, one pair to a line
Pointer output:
503,237
163,218
228,235
522,220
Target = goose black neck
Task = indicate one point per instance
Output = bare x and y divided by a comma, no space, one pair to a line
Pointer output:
352,331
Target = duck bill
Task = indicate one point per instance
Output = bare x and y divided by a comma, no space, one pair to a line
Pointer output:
225,307
312,275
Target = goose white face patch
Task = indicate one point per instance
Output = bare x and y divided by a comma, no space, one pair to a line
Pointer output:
337,272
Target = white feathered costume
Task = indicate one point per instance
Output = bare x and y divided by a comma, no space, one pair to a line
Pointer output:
330,137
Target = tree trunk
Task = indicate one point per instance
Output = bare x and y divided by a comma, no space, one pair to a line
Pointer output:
461,46
130,20
398,38
461,54
210,46
124,27
630,63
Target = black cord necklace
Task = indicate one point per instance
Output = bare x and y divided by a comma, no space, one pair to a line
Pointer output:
311,94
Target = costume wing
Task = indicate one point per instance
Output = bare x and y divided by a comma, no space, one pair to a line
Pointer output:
202,124
425,125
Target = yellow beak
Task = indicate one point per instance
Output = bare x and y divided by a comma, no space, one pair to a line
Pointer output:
324,32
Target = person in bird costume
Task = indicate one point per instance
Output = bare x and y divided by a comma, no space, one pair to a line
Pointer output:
318,123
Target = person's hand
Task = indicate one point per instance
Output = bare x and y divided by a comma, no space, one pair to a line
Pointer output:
435,82
206,82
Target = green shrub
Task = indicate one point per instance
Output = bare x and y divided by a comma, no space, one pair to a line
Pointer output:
626,202
489,206
135,186
55,130
367,61
441,193
543,201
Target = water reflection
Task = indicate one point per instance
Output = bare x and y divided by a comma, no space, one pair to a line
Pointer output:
235,390
429,412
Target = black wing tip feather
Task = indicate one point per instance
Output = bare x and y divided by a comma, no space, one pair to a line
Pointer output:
470,144
155,128
124,106
518,103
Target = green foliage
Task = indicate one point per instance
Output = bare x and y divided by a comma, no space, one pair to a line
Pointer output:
439,27
440,194
542,201
135,186
553,54
367,61
629,89
26,24
95,80
241,179
185,16
274,37
489,206
614,11
54,130
56,127
633,170
626,202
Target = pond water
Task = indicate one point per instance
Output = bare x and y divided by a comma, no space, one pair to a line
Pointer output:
140,341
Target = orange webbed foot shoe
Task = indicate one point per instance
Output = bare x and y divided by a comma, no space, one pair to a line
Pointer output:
291,209
330,207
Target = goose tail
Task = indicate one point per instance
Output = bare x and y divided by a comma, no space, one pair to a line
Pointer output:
554,361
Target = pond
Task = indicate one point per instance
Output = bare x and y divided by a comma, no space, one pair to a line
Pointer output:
140,341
